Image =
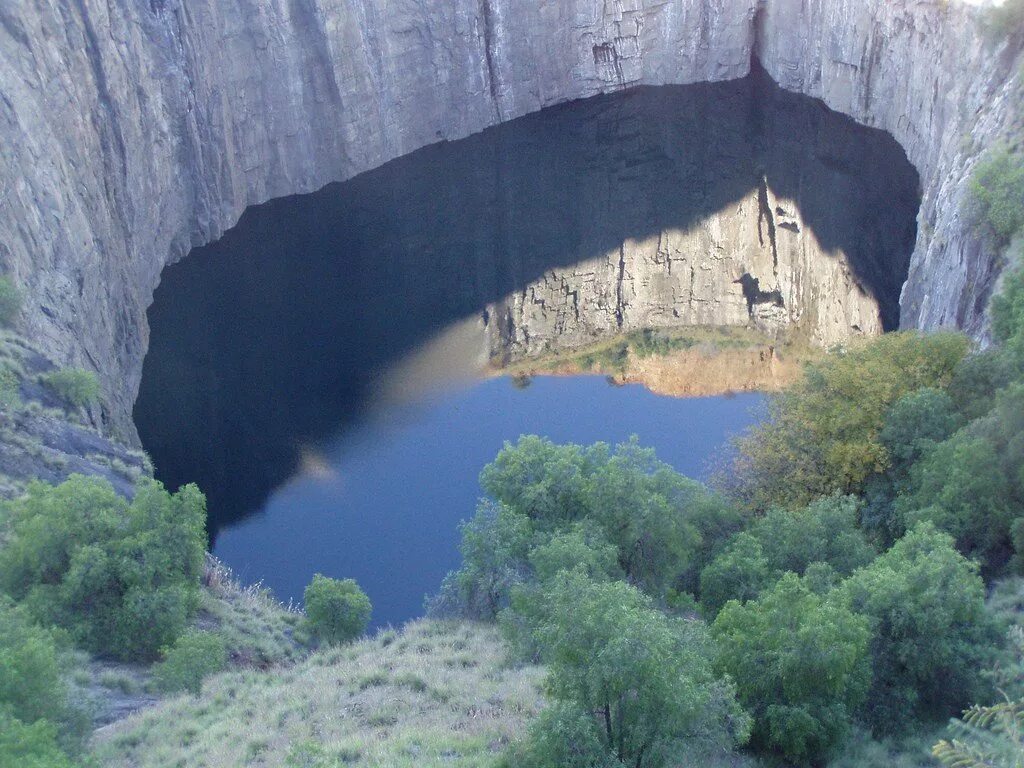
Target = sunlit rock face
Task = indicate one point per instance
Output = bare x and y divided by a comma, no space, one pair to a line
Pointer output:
728,205
134,131
732,205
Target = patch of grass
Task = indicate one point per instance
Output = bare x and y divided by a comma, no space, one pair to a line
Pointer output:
318,714
257,629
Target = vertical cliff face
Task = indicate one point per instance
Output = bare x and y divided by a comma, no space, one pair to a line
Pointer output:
133,131
927,73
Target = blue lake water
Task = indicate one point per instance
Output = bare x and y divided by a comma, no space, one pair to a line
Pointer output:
382,503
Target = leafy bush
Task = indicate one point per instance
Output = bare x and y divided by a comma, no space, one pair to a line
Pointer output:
337,611
997,186
8,387
800,663
959,487
740,573
75,386
584,547
624,676
930,632
822,435
193,657
10,301
824,532
30,745
663,525
32,668
122,577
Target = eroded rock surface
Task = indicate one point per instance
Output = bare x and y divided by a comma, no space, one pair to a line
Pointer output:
133,131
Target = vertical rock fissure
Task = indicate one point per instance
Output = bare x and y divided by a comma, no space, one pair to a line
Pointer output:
767,217
487,21
619,302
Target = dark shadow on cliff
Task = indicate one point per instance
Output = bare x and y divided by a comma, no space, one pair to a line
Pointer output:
271,338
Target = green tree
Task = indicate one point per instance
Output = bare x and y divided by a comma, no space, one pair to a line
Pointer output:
823,434
30,745
931,634
960,487
997,186
741,573
10,301
495,545
643,680
826,531
122,577
643,506
32,668
75,386
801,668
337,611
543,481
193,657
664,526
583,546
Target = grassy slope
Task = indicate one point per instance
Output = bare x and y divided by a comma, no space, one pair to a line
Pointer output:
435,694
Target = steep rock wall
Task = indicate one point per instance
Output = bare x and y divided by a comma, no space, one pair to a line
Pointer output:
134,130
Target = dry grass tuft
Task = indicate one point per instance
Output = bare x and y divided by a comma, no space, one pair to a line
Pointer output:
435,694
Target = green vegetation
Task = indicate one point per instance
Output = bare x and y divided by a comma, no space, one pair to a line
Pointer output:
75,386
801,666
38,724
997,184
10,301
122,578
627,680
1006,19
193,657
337,611
8,387
823,435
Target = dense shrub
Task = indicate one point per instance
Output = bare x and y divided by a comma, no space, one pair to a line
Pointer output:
193,657
800,663
337,611
10,301
997,186
30,745
663,526
75,386
626,675
32,668
582,547
495,544
959,487
783,540
931,634
740,573
823,434
122,577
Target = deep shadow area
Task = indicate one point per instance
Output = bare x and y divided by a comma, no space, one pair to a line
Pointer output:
270,339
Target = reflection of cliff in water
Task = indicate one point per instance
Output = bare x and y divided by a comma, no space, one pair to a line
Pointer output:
730,204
